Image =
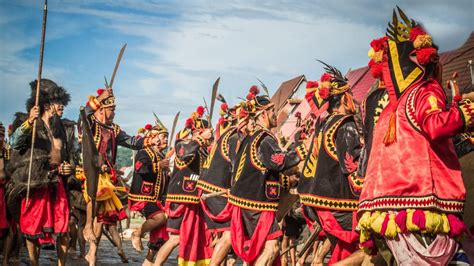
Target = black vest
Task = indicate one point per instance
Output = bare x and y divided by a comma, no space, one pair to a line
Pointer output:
183,183
149,181
255,187
331,189
216,173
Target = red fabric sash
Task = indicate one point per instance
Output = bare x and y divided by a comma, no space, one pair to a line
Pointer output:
193,235
249,249
348,240
174,213
222,217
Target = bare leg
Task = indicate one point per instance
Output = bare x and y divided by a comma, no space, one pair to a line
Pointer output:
149,257
321,253
269,254
221,249
302,259
166,249
62,247
81,241
93,245
150,224
284,245
293,252
89,228
355,258
73,233
7,247
33,251
114,233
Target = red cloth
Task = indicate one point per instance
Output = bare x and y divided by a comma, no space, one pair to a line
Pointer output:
3,210
46,214
156,234
193,236
420,169
347,240
249,249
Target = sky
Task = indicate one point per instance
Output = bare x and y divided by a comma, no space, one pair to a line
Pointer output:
177,49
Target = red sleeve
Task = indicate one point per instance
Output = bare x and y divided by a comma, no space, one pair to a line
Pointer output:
435,120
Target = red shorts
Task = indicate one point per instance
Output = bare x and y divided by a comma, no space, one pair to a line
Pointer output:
47,213
3,211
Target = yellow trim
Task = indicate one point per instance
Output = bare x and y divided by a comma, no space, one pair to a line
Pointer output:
253,204
241,165
208,187
401,81
202,262
182,198
329,203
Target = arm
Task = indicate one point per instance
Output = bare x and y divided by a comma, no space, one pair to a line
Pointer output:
348,147
134,143
186,149
435,120
143,165
20,137
274,158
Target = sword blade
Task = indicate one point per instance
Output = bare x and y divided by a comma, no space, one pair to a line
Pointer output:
215,87
117,63
173,129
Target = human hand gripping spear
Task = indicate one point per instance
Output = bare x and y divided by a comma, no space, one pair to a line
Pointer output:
40,68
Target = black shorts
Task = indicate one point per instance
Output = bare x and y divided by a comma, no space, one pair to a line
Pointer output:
150,210
293,226
250,221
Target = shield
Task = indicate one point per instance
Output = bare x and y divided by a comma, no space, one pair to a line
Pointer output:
90,159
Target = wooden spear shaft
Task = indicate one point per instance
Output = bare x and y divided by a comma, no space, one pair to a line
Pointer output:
40,68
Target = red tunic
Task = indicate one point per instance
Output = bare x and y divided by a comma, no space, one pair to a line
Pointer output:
420,170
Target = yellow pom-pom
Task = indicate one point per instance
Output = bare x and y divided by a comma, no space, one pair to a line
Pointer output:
364,220
445,228
410,225
423,41
432,221
376,225
371,53
392,227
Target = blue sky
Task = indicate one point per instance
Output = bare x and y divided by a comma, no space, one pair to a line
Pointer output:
176,49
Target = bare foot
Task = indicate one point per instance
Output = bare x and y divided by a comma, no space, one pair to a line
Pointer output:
137,241
89,235
123,257
90,259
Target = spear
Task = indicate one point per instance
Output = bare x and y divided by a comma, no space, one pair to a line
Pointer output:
40,69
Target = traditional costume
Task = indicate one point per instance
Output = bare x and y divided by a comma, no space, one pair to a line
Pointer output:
47,212
413,195
216,175
257,178
107,138
4,158
147,192
333,194
185,216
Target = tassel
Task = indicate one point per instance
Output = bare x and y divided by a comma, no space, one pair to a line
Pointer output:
445,223
392,228
456,225
410,225
364,236
434,222
391,135
384,225
364,220
419,219
401,220
367,246
377,223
